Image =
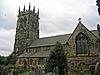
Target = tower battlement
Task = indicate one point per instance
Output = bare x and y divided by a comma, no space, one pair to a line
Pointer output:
27,29
28,11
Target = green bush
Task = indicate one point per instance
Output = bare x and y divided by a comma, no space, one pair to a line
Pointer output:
9,67
25,72
3,70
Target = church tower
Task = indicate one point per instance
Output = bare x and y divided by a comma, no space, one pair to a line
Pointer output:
27,29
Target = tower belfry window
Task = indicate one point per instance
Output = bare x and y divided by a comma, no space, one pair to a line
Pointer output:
82,46
25,21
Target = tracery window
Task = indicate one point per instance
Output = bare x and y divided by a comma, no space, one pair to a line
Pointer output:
82,46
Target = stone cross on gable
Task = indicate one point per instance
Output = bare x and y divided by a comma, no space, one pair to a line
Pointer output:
79,19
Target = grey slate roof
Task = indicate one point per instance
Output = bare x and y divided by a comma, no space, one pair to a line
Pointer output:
48,41
26,54
41,54
35,55
95,32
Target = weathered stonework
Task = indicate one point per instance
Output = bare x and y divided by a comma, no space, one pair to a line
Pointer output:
75,61
27,30
28,46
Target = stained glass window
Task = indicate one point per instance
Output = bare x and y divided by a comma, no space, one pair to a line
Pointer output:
82,46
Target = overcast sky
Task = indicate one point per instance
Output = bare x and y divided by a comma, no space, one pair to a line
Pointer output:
56,17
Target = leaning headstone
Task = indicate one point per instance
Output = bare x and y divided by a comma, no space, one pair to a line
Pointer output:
65,72
97,68
56,71
92,69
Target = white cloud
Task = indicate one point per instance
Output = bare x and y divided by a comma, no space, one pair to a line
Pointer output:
6,41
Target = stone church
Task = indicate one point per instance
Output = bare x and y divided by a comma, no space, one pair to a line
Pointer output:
81,46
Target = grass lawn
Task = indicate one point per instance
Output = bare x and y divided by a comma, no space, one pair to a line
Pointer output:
24,73
27,73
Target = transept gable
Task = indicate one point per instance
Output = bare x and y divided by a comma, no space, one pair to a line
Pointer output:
80,28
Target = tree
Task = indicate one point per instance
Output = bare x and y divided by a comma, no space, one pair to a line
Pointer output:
3,60
98,4
57,59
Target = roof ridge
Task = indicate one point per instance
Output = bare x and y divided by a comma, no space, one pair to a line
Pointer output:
54,36
93,30
60,35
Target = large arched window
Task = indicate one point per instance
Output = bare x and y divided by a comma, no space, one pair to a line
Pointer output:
82,46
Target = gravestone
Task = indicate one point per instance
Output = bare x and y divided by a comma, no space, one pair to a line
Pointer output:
97,68
92,69
3,71
65,72
50,73
81,73
37,71
32,73
56,71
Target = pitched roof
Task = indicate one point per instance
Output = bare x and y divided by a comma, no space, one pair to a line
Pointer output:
41,54
48,41
35,55
95,32
26,54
